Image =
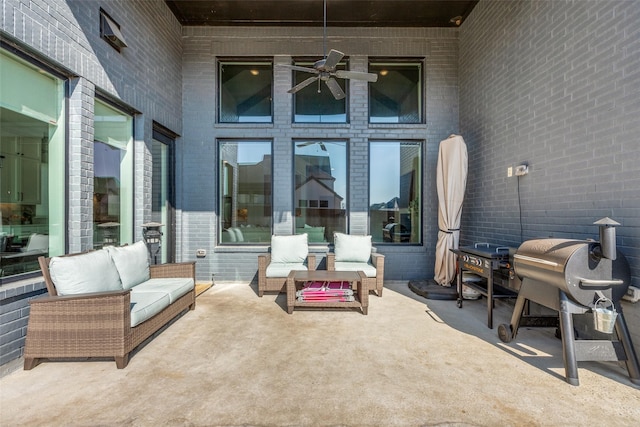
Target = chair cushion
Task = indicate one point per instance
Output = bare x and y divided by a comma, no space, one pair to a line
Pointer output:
368,269
350,248
175,287
132,262
289,249
86,273
282,269
145,305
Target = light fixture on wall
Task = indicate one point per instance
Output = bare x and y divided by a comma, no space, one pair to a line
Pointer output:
110,31
457,20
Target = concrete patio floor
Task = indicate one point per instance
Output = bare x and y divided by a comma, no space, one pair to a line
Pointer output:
242,360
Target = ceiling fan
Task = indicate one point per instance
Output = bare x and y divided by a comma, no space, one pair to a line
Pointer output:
325,69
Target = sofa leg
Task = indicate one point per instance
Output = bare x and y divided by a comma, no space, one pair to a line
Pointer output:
30,363
122,361
260,293
192,306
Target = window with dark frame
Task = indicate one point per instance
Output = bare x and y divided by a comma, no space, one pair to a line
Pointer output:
245,92
315,103
397,95
320,188
395,208
245,191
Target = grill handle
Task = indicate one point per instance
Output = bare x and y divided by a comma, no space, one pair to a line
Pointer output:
600,282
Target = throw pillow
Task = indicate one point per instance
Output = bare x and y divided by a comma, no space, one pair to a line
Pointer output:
350,248
289,248
86,273
132,262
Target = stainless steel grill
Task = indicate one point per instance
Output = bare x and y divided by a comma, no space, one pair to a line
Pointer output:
569,276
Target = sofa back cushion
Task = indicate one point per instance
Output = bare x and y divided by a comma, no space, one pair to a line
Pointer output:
85,273
132,263
350,248
289,249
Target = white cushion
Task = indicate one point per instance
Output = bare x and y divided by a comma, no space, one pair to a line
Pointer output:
350,248
238,233
85,273
132,262
175,287
145,305
368,269
283,269
292,249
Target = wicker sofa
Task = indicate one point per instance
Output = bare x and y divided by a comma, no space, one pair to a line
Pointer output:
104,304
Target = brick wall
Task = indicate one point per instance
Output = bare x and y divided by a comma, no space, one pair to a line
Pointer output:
198,168
554,84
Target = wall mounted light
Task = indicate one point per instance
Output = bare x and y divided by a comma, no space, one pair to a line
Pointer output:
254,72
384,72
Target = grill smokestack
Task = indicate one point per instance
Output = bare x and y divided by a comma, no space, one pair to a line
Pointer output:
607,237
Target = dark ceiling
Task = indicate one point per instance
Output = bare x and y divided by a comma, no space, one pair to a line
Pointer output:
340,13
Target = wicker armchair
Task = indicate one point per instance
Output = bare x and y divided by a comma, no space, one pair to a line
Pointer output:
287,253
96,324
355,253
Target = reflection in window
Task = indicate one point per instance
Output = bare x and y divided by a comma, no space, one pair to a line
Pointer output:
112,177
32,191
315,103
245,191
397,95
245,92
394,191
320,188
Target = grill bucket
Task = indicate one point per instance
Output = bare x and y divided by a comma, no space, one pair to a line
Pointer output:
604,318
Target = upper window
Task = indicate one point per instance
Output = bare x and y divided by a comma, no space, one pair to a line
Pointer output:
112,176
397,95
394,191
320,188
32,166
245,92
316,103
245,191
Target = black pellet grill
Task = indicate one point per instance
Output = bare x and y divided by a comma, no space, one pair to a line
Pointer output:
569,276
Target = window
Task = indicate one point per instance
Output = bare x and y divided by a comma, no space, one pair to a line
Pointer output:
397,95
320,188
245,92
112,177
394,191
245,191
32,166
315,103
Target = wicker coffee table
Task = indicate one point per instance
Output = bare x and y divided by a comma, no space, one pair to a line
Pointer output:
297,279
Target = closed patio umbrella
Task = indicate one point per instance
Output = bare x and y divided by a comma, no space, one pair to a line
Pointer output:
451,184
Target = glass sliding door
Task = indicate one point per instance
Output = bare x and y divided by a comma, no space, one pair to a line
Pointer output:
32,166
113,177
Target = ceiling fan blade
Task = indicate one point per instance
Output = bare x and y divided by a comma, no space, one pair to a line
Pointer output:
356,75
335,88
332,59
303,84
299,68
